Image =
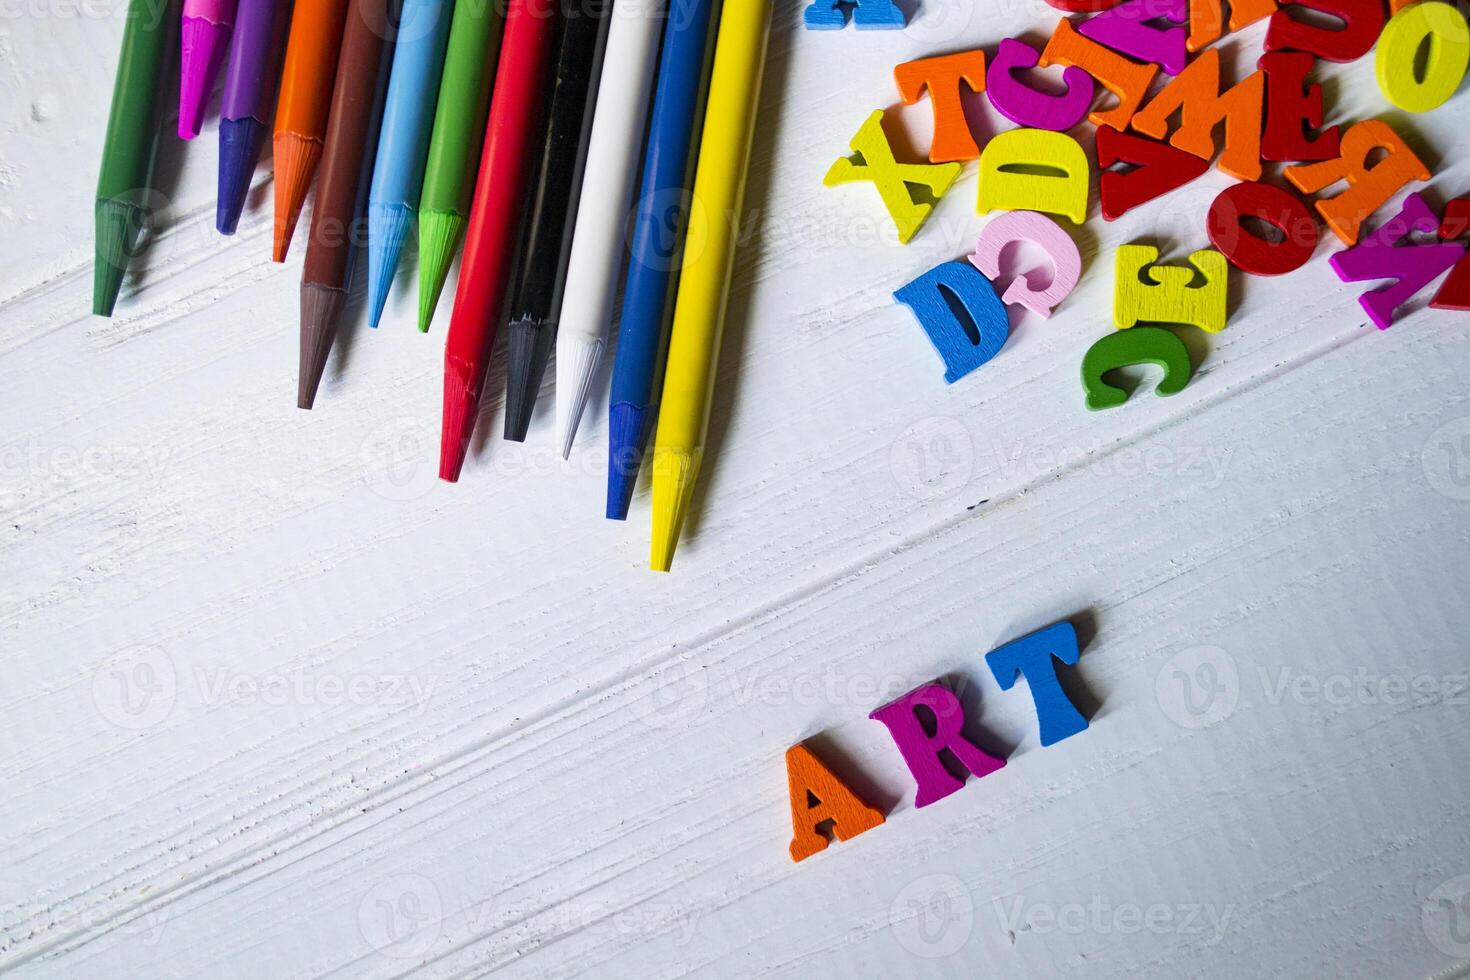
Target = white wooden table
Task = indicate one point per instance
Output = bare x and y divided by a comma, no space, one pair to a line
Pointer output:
277,703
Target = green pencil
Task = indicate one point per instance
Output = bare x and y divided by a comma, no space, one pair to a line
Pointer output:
459,130
124,187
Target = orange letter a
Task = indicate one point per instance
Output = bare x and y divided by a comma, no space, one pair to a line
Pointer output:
818,796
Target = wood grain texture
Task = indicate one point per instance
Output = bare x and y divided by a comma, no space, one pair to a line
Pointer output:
278,704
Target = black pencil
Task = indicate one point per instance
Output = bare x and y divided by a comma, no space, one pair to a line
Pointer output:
546,245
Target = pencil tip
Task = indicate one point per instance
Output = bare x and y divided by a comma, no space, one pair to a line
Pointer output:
674,472
239,149
627,434
438,238
577,358
388,226
461,405
319,308
201,50
119,225
295,161
528,345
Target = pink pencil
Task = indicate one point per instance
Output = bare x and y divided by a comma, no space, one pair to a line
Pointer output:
203,40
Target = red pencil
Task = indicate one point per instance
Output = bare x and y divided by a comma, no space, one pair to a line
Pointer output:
500,191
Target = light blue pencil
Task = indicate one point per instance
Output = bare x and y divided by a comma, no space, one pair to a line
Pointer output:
403,145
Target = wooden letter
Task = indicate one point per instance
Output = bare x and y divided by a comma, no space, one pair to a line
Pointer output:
1207,18
1362,21
1029,107
818,796
1157,169
1292,104
831,15
1004,184
1126,79
1455,293
1368,186
875,163
1141,345
1033,657
944,77
932,298
1015,226
1251,253
920,743
1380,256
1168,297
1126,30
1441,27
1197,92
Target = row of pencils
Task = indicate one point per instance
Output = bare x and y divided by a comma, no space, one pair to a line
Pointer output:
577,146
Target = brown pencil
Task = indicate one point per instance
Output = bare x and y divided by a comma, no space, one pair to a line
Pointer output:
339,223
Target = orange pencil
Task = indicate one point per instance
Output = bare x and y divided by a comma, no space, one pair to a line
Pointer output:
302,108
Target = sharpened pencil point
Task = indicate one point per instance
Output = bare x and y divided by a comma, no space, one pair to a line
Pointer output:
528,345
296,158
119,226
319,308
240,141
627,434
438,239
577,359
674,472
202,46
461,406
388,226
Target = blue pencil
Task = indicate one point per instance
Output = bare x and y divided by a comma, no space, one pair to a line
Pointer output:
658,235
403,145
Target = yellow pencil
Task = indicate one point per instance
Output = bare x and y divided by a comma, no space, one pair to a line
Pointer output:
709,254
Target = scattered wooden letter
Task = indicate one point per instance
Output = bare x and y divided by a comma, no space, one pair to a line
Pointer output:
944,78
1015,226
920,742
1381,256
817,797
1250,252
1141,345
1157,169
1168,296
891,178
1005,185
1369,185
932,297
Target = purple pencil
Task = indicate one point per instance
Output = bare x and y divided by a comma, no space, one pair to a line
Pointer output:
203,38
250,90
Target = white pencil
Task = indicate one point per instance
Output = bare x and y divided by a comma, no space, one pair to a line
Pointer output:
599,239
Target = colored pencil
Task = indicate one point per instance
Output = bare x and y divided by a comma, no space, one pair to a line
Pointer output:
124,203
489,249
704,283
658,232
338,221
204,37
245,111
459,130
547,242
607,191
301,112
403,145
